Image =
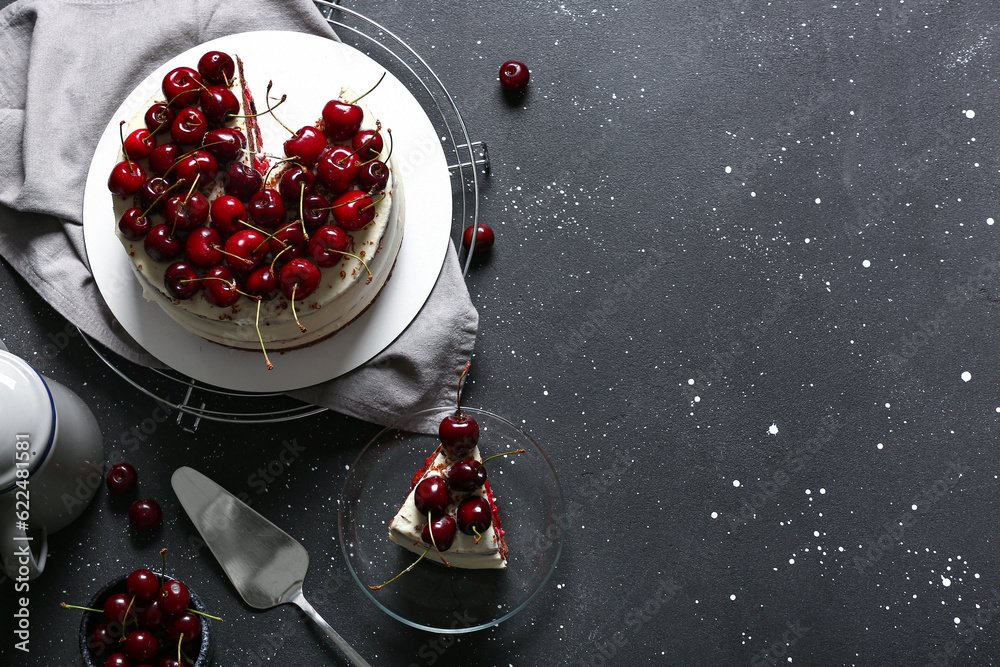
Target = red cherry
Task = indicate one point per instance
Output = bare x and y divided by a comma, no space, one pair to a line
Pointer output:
117,606
174,596
184,213
152,617
184,623
224,143
141,646
337,169
219,104
484,238
431,495
353,210
143,584
459,434
267,208
163,157
181,87
161,244
101,639
474,515
315,211
290,241
245,249
189,127
217,67
444,532
306,145
203,247
145,514
121,478
140,143
367,144
220,287
373,175
241,181
126,178
514,76
465,476
328,244
200,165
299,277
341,120
159,116
117,660
150,193
133,224
296,182
227,212
262,282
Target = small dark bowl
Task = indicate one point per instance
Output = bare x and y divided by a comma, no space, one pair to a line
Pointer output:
91,619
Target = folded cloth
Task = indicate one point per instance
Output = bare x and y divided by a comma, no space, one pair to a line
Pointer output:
67,66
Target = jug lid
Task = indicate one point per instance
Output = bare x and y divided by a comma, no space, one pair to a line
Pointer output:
27,417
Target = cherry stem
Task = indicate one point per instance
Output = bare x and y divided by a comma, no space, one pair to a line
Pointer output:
270,109
372,88
73,606
193,186
413,565
282,124
159,197
388,131
128,160
430,529
458,400
478,536
273,261
295,314
260,337
179,640
280,161
201,613
513,451
231,283
363,262
365,208
302,215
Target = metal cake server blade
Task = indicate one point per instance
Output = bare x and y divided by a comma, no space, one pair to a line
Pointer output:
266,565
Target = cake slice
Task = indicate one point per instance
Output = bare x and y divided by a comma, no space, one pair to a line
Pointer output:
488,552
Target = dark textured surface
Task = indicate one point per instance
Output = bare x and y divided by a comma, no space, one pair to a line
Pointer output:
745,254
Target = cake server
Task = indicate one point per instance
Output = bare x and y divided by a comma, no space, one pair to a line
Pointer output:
266,565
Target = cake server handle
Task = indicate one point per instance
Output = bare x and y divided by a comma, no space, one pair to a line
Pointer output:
299,599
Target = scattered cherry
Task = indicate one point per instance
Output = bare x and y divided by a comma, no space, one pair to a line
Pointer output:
373,175
262,282
163,157
337,169
122,477
288,242
367,144
341,120
514,76
219,104
150,194
145,514
315,211
227,212
245,249
484,238
296,182
267,208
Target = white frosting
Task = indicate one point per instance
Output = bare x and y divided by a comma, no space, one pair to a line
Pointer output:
344,291
408,523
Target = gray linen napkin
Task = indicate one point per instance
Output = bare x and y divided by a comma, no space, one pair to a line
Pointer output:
66,66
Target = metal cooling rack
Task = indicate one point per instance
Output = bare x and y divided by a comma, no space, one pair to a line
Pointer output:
468,160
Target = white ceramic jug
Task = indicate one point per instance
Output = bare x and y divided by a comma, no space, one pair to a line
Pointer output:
51,463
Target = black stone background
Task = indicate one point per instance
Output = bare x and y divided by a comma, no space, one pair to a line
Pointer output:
655,204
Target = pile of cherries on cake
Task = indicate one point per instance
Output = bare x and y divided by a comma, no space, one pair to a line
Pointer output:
252,240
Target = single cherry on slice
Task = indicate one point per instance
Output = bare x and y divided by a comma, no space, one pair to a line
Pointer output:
219,104
341,120
299,278
133,224
217,67
189,127
484,238
431,495
163,157
140,143
373,175
245,249
306,145
143,584
220,287
459,434
158,117
444,532
203,248
353,210
474,515
161,244
126,178
182,86
145,514
224,143
227,212
267,208
328,244
141,646
174,597
514,76
242,181
465,476
121,478
337,168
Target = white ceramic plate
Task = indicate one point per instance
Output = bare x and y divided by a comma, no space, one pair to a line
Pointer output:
281,57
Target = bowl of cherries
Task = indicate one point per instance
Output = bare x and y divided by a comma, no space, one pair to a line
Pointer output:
145,620
438,572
